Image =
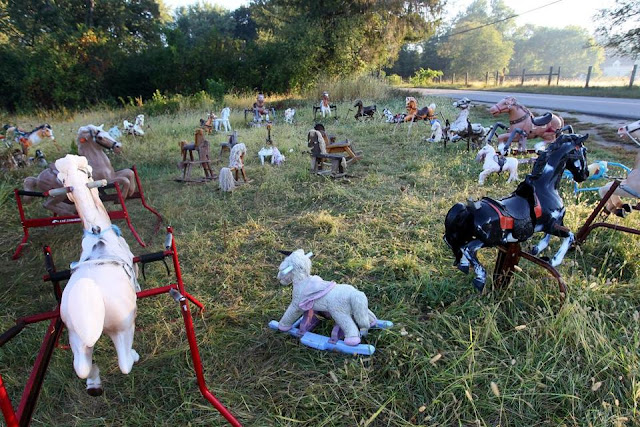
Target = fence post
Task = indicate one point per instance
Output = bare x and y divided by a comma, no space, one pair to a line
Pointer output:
497,77
558,79
522,81
550,74
588,76
486,79
466,78
633,75
453,76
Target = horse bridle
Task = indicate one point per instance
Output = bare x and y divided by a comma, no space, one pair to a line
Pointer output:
629,131
95,139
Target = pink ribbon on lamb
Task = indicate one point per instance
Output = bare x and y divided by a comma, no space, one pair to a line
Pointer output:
314,288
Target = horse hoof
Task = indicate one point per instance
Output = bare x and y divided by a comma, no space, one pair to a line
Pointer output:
95,392
463,268
533,250
353,341
478,284
620,212
627,207
546,259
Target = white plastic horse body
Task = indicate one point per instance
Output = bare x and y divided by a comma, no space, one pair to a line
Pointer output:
459,126
134,129
493,163
101,293
288,115
436,131
223,120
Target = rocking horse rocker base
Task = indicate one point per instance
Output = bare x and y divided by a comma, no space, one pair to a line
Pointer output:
304,326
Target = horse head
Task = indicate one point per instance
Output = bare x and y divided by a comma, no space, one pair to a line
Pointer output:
140,120
631,131
358,104
296,264
484,152
463,103
92,133
74,173
570,149
504,106
45,131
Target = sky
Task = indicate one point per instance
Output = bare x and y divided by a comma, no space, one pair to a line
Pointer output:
561,14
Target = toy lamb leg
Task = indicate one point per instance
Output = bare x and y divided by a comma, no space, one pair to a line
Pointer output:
343,302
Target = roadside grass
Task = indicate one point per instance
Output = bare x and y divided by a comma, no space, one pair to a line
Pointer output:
511,357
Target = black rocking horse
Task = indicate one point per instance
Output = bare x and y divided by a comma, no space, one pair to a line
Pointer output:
535,206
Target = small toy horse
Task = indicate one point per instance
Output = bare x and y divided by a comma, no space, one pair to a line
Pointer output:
460,127
366,112
223,120
347,306
436,131
288,115
134,129
496,163
27,139
535,206
325,105
544,126
101,293
207,125
236,164
414,114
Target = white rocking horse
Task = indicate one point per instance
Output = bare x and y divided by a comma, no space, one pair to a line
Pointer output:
134,129
101,293
495,163
436,131
223,120
459,128
288,115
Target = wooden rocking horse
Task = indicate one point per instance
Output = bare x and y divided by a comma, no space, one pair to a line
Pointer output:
343,147
201,146
229,175
320,154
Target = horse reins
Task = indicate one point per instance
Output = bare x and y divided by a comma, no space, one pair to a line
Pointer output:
95,139
628,132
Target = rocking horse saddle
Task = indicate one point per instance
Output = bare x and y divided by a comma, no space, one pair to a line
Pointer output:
542,120
517,217
500,160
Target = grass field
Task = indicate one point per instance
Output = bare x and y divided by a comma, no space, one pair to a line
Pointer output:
513,357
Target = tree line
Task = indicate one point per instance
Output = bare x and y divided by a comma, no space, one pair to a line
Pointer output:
73,53
470,45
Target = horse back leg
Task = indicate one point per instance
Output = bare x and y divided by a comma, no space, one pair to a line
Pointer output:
123,341
469,252
82,355
348,326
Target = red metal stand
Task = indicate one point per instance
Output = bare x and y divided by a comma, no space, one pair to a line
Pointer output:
589,225
508,258
22,417
53,221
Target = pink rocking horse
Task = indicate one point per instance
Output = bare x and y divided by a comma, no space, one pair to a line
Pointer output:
520,117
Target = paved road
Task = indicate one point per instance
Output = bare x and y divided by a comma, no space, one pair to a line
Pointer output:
619,108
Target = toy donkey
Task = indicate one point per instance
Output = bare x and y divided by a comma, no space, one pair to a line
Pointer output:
344,303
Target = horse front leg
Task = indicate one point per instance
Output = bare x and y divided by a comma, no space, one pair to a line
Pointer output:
541,246
290,316
469,252
564,247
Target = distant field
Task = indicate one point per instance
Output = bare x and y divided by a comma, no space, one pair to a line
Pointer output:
515,357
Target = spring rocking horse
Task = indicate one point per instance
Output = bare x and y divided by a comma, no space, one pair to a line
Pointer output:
314,299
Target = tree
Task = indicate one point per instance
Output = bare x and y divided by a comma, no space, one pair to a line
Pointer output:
620,26
572,48
476,50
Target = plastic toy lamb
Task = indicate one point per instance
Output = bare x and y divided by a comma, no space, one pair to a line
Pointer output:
347,306
325,106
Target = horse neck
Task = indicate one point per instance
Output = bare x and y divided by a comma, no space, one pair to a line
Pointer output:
92,212
514,113
95,156
549,179
464,113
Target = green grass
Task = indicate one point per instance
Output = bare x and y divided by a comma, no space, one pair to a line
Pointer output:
575,363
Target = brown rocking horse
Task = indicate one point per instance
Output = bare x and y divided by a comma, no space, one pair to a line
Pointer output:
520,117
201,146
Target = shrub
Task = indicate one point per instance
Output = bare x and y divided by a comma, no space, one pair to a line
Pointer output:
162,104
216,88
424,77
394,80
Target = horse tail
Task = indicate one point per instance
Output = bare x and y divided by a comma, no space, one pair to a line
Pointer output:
455,225
82,310
360,309
227,182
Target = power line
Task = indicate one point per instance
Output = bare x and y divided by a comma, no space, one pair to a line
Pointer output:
503,19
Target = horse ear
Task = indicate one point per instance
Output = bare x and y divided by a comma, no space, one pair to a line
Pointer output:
101,126
286,253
